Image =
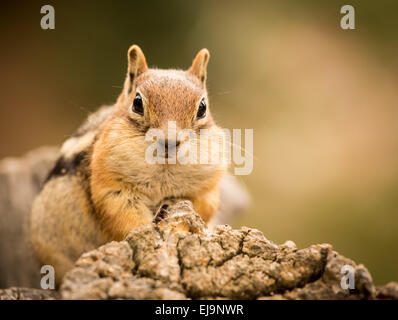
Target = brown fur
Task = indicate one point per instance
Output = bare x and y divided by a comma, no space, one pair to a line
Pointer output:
112,189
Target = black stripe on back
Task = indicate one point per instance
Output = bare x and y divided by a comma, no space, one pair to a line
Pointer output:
66,166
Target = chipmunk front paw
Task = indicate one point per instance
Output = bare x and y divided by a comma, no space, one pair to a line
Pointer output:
163,209
161,213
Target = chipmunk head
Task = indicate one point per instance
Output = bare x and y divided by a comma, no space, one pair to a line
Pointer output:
154,99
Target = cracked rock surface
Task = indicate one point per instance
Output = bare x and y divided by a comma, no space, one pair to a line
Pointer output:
15,293
176,257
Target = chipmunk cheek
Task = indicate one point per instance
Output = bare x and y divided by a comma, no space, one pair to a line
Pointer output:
206,125
138,125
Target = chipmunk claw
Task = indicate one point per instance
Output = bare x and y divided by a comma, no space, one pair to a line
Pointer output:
161,214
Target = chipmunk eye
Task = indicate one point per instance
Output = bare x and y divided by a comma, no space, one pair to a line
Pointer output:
201,110
137,106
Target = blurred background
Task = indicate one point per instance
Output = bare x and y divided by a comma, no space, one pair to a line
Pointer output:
323,102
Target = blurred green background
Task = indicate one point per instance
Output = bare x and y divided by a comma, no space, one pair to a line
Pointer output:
323,102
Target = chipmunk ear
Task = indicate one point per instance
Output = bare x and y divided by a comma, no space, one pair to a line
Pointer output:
136,66
199,65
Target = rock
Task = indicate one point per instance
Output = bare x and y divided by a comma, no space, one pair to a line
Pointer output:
388,292
14,293
177,257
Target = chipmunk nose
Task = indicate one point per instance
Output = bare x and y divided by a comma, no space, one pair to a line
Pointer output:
170,144
170,147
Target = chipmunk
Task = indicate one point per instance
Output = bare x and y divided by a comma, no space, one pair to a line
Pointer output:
102,186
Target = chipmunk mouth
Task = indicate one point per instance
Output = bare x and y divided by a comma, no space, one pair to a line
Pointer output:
165,155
